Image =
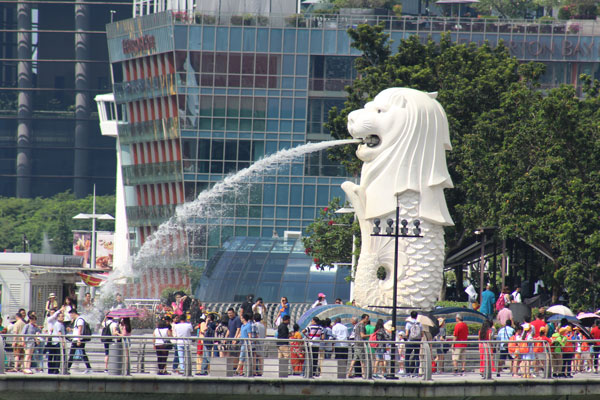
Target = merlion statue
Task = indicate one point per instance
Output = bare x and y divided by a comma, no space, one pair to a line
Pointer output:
405,139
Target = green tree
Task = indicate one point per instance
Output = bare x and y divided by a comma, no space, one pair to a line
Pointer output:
525,161
330,236
52,217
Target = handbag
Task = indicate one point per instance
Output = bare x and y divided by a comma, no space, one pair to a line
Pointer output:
167,342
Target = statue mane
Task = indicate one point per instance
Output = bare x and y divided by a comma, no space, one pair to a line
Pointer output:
414,157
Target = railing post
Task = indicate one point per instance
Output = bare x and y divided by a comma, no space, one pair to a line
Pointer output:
367,368
188,358
2,356
142,359
63,358
307,360
487,353
548,360
427,370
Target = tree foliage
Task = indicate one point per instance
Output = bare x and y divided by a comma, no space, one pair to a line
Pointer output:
330,237
522,160
52,217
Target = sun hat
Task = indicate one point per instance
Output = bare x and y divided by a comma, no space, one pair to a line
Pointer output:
321,295
388,326
52,295
526,326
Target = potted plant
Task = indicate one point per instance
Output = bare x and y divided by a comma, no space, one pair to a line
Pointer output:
297,20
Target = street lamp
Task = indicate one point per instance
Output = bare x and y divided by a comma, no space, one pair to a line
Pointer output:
396,229
93,216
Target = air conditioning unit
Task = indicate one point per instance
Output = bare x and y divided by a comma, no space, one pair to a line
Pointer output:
292,234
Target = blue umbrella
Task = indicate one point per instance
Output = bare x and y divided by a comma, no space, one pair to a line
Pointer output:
559,317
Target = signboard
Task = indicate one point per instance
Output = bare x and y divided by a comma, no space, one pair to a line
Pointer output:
104,248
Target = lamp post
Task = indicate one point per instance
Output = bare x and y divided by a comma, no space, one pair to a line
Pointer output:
93,216
394,230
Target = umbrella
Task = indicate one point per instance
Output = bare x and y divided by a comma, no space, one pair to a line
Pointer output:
560,309
587,319
559,317
425,320
124,313
519,311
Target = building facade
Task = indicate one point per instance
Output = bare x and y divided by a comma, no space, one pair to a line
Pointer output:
53,61
204,96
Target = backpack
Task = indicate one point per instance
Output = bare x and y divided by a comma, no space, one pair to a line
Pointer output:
210,329
500,303
416,331
373,339
87,331
106,332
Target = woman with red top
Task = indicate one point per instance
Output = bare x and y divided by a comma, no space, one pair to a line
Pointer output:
485,347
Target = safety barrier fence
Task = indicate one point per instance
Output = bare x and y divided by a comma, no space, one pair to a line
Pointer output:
278,358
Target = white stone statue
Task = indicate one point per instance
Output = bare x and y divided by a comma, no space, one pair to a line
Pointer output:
405,139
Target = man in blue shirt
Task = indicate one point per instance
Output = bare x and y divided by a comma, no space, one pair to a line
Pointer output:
247,331
504,335
488,299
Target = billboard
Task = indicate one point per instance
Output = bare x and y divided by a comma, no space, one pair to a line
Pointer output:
104,248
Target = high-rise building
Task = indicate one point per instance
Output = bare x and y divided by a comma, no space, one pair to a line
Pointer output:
206,94
53,61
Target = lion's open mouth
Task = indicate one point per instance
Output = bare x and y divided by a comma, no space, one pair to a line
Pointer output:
371,140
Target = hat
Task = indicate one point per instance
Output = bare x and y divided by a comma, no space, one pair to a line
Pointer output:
526,326
321,295
543,328
441,321
562,330
569,329
52,295
388,326
402,333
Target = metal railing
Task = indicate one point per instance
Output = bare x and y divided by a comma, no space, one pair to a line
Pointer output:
300,358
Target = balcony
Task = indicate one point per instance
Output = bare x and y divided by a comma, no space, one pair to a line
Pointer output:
149,131
141,174
149,215
145,88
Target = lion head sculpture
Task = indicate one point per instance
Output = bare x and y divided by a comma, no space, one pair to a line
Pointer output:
405,135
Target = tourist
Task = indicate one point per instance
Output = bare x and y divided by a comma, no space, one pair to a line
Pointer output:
340,335
314,333
78,344
246,332
18,344
283,333
234,325
359,352
414,331
576,338
51,304
338,301
380,350
595,332
327,346
259,345
320,301
517,295
118,303
182,329
568,352
485,348
401,340
297,351
539,348
68,305
221,335
30,342
109,328
178,305
558,341
461,334
88,303
124,331
441,348
504,314
282,310
162,345
207,331
260,308
504,335
247,305
526,351
57,340
538,323
487,302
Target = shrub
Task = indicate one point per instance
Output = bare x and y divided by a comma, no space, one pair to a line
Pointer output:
295,20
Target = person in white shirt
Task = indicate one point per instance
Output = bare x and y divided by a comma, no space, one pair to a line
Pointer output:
517,295
260,308
182,329
320,301
340,335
